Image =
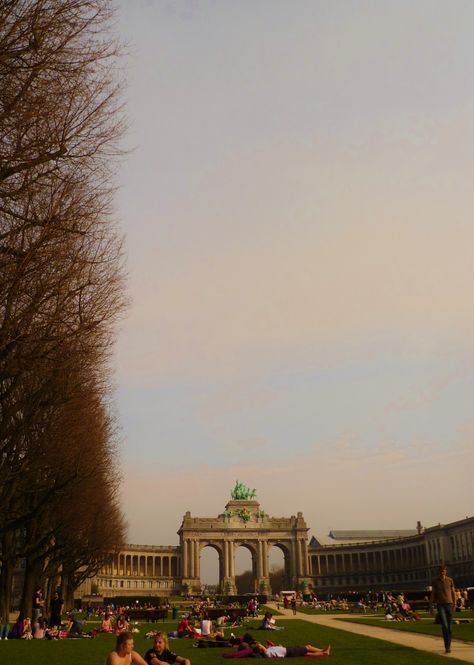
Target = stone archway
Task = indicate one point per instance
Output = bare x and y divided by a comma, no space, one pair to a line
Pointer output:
243,524
205,546
287,565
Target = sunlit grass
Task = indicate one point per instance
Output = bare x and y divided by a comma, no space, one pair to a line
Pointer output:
348,649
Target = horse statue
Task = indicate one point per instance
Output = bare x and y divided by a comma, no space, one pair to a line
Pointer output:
242,493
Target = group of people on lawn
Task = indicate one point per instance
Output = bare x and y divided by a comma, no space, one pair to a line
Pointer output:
205,627
160,653
39,627
120,626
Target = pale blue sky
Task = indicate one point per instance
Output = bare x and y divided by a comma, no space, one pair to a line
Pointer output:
298,213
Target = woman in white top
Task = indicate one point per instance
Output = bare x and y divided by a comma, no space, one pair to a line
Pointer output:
206,626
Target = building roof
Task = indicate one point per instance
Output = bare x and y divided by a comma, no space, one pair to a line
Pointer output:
370,534
352,537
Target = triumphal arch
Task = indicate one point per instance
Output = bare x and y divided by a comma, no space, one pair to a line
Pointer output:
244,524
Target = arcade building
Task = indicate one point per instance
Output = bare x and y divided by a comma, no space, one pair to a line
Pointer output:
342,562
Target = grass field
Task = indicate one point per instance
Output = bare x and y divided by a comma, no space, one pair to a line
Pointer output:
347,649
462,631
307,609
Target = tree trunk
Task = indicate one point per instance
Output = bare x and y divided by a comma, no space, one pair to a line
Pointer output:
52,586
6,578
68,588
30,583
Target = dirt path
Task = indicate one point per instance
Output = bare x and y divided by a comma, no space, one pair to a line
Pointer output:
459,650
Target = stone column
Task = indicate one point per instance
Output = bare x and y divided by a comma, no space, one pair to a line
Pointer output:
306,560
226,568
299,559
226,560
231,560
443,555
196,559
189,572
293,561
265,558
261,576
185,558
222,565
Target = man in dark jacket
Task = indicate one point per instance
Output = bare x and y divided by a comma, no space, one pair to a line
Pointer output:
56,609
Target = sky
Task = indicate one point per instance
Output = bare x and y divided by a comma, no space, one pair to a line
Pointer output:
297,205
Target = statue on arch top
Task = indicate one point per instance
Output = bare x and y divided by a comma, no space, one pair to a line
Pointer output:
242,493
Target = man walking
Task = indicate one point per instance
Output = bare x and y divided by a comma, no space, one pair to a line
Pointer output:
443,594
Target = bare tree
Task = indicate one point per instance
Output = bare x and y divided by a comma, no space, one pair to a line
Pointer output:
83,523
61,260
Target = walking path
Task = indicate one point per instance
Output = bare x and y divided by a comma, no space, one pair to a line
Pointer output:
459,650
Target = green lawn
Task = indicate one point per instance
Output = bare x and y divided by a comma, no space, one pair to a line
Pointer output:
348,649
265,608
307,609
462,631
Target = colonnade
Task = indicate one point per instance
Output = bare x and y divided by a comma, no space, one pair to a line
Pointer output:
376,561
142,565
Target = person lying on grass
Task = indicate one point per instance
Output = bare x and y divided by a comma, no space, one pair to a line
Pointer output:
279,651
160,652
124,653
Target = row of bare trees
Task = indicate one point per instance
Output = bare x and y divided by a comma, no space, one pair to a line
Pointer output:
61,292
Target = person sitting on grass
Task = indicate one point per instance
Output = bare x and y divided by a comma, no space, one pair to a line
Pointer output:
39,629
184,627
27,630
268,623
160,652
17,630
406,611
122,624
279,651
124,653
73,627
106,624
206,626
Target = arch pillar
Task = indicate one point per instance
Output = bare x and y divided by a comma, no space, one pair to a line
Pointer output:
260,567
227,579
